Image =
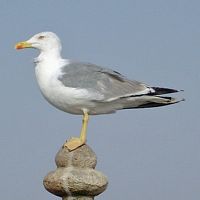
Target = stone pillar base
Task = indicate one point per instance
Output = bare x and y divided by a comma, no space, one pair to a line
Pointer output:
75,177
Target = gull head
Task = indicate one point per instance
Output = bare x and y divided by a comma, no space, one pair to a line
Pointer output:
44,41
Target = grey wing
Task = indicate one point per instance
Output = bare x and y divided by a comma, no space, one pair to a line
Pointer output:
110,85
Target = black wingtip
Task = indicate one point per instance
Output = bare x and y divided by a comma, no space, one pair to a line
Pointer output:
183,99
160,91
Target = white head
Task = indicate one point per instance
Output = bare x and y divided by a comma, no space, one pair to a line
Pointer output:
44,41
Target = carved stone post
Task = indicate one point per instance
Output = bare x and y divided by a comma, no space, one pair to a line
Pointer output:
75,177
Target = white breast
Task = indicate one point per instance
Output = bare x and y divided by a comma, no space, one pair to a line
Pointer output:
68,99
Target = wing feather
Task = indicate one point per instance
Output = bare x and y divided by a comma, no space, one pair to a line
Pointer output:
109,84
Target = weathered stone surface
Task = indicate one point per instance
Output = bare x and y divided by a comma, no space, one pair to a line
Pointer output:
81,157
75,177
75,181
78,198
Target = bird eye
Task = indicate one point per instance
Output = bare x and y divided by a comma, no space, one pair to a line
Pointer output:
41,37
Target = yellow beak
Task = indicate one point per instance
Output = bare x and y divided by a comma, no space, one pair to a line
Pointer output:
22,45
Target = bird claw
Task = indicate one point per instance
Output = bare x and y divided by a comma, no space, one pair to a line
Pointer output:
73,143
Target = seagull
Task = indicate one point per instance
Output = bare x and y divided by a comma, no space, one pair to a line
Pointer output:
83,88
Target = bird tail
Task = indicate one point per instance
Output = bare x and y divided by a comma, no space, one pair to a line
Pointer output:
157,101
152,99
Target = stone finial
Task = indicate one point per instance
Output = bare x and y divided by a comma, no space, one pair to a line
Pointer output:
75,177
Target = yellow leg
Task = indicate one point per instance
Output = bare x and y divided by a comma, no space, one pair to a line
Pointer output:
83,134
74,143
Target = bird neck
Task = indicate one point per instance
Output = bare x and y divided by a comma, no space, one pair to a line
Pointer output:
48,56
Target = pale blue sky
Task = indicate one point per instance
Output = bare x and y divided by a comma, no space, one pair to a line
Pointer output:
149,154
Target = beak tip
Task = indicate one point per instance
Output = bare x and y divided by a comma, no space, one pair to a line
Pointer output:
18,46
